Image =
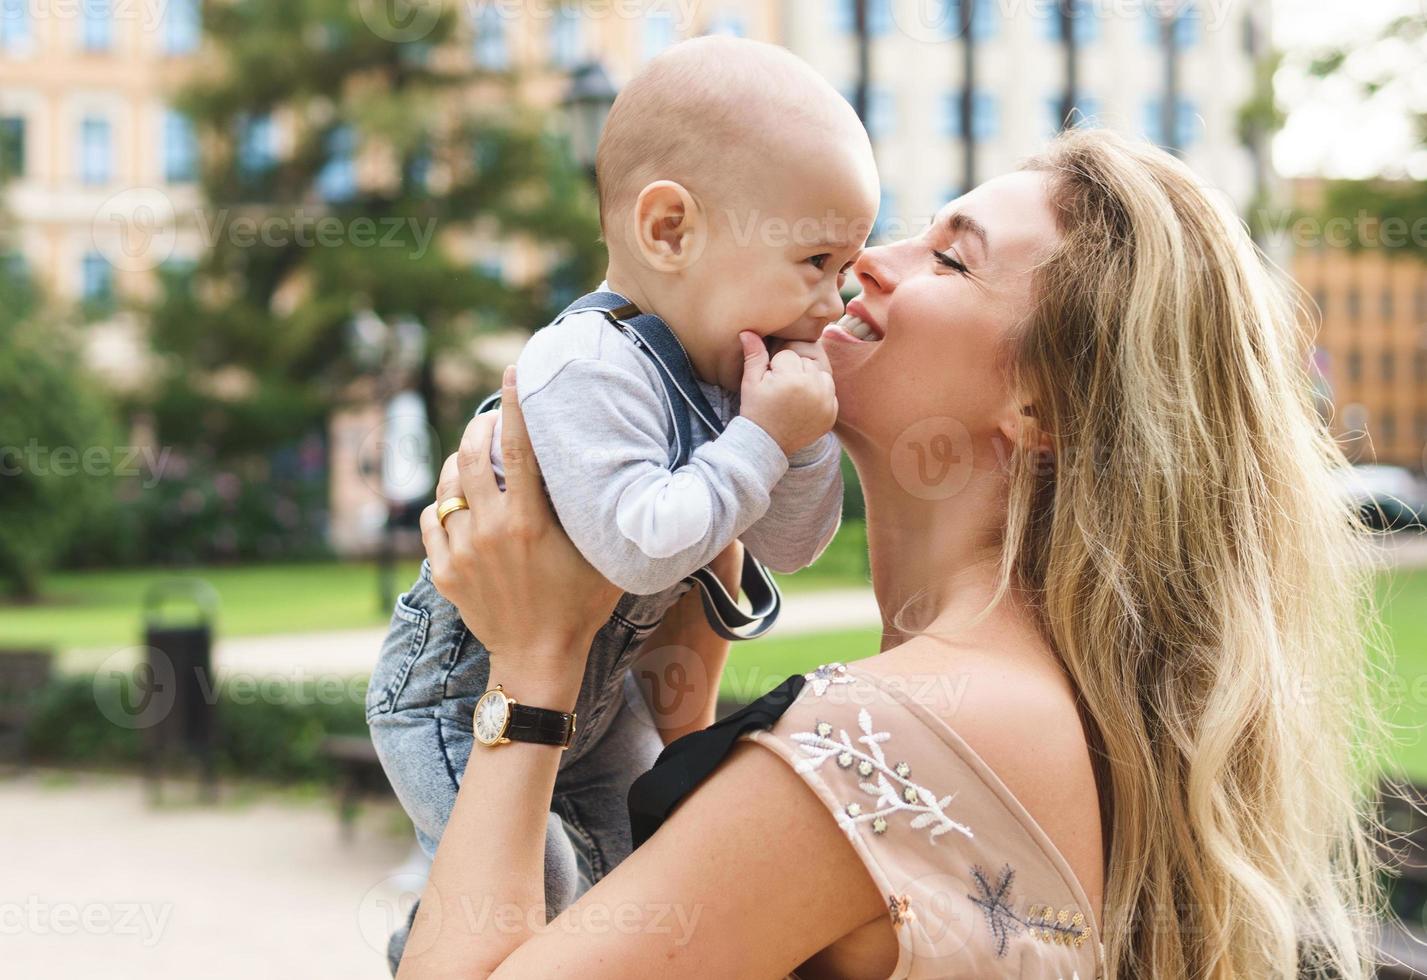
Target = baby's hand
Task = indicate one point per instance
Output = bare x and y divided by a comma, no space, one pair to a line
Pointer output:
791,396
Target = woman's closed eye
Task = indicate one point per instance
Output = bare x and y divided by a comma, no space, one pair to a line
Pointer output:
819,260
950,261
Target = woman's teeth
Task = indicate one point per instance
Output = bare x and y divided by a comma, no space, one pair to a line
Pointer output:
857,328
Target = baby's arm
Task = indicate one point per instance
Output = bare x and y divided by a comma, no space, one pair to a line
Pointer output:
679,667
804,510
598,431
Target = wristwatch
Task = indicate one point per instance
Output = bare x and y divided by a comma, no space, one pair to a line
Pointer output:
499,719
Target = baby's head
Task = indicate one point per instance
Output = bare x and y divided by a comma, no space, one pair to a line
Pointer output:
735,187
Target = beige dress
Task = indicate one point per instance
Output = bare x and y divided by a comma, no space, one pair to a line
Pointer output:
974,886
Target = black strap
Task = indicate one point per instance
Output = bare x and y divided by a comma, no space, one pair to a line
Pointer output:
686,401
544,726
688,760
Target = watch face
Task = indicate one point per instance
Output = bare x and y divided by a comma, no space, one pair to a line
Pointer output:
492,712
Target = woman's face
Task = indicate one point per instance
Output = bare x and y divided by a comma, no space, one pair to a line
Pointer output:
939,325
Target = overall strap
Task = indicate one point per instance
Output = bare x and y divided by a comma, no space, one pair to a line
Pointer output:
652,336
686,401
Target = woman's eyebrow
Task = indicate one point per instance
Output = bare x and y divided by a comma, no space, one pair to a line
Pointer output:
959,221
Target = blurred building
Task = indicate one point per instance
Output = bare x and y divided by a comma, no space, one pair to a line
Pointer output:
1372,338
955,91
962,90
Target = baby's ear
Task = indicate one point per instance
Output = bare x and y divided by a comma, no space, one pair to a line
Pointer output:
669,230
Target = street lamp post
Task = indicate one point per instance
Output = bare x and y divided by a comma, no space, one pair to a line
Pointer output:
586,103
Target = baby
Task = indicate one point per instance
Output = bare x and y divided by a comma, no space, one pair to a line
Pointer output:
735,188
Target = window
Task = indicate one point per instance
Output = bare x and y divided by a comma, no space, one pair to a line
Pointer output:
180,148
1320,300
96,282
1387,304
881,118
12,146
96,28
1186,122
882,111
1419,366
951,115
490,40
565,39
95,156
182,26
659,32
1389,425
879,16
985,19
1084,25
727,23
985,115
1187,22
176,275
1084,112
1420,426
1388,363
1355,365
337,180
14,26
1355,303
257,148
885,216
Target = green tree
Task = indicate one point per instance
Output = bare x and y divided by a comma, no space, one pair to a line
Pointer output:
1389,70
396,146
57,445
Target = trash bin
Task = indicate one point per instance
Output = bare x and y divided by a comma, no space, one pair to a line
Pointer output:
178,715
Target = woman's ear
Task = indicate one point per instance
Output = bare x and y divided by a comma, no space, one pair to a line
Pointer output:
1022,427
669,226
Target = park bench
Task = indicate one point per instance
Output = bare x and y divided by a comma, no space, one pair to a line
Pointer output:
360,775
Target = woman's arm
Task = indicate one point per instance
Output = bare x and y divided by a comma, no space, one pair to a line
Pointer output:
750,875
748,878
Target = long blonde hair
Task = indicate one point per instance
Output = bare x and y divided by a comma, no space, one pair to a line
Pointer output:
1190,560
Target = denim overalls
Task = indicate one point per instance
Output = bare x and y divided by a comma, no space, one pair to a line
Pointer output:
431,671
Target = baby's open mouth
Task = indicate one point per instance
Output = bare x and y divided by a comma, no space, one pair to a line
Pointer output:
859,328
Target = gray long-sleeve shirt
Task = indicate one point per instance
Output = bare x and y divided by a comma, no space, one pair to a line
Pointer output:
597,416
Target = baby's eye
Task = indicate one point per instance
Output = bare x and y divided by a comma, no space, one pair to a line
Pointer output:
820,260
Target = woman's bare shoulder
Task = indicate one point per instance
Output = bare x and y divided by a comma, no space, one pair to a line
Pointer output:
1017,711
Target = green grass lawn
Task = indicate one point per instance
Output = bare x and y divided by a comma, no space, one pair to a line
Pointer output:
99,609
102,608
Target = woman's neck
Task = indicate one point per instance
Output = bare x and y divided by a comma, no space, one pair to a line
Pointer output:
940,555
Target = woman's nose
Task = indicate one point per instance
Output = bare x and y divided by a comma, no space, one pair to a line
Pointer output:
874,270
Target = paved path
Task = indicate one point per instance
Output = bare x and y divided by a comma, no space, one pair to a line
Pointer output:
345,653
98,884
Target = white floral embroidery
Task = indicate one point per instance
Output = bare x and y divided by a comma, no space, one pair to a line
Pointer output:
892,791
834,673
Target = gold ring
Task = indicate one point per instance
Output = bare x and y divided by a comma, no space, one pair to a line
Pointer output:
449,506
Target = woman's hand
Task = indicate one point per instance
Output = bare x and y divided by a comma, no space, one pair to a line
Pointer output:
506,563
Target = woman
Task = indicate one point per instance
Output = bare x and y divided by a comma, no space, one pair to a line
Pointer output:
1116,583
